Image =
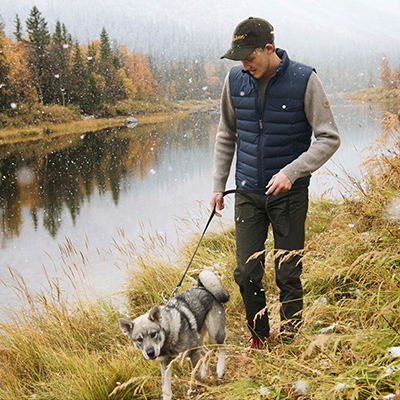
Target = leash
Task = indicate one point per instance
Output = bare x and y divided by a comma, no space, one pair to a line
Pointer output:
235,191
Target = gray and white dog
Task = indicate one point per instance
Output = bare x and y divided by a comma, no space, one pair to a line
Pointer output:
181,325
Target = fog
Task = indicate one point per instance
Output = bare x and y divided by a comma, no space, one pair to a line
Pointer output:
345,35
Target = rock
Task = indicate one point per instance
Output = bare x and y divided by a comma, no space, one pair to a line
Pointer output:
131,122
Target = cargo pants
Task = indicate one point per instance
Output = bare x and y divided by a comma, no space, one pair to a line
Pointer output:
286,212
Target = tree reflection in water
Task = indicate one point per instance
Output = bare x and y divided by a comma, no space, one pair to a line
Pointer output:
48,176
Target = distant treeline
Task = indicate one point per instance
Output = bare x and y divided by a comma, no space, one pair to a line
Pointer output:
52,68
389,77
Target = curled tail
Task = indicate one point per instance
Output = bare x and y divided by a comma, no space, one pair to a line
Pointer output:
211,283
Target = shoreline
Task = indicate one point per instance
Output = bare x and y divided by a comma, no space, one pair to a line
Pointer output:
49,131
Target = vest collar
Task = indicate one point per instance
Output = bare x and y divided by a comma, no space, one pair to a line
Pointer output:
285,60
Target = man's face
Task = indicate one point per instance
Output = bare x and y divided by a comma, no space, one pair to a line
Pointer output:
258,63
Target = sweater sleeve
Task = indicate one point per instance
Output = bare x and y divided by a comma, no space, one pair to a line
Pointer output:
327,140
225,143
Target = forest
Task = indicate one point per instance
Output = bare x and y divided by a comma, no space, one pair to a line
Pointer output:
53,68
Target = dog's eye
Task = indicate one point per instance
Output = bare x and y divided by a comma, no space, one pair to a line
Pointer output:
139,340
153,335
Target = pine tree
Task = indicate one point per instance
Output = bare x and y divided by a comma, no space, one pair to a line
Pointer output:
107,67
92,95
18,29
60,58
4,89
105,47
38,44
79,78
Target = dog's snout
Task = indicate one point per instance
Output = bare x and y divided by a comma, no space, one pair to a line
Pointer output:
151,353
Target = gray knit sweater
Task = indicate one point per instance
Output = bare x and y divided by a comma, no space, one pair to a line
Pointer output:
319,115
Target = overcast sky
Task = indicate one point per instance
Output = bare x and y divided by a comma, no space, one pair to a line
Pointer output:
303,25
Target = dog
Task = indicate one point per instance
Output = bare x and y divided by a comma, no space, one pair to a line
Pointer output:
180,326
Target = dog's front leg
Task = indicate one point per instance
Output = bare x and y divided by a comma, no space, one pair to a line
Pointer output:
166,375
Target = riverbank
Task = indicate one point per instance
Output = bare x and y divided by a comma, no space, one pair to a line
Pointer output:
89,124
48,131
376,95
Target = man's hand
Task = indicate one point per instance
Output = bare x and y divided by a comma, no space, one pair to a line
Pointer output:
217,199
279,183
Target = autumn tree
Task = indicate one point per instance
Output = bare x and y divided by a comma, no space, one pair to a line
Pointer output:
140,83
390,78
20,80
51,69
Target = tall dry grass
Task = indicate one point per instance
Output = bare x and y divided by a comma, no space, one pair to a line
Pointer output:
67,345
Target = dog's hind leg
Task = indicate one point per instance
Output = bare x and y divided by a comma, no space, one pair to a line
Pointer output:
166,375
221,360
216,327
199,359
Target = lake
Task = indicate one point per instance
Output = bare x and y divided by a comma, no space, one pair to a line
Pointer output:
67,199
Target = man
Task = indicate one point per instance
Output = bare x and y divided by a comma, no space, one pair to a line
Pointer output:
270,106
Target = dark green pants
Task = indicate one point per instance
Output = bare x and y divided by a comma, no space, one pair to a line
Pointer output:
252,220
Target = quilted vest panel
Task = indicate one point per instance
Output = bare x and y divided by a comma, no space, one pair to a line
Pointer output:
271,138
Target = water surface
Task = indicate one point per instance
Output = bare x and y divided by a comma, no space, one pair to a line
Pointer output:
78,191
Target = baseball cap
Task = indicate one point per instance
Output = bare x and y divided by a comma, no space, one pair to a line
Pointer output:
249,35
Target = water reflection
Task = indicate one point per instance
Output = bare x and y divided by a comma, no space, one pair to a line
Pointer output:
46,177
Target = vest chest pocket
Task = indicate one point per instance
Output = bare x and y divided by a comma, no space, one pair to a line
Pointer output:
284,105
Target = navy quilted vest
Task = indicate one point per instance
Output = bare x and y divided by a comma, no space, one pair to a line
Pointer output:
268,140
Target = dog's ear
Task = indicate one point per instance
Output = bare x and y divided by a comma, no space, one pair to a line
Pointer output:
126,326
155,314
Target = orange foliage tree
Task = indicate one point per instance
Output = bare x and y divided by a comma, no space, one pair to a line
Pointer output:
19,75
139,79
390,78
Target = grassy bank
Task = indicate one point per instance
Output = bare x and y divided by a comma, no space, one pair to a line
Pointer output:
69,347
376,94
44,122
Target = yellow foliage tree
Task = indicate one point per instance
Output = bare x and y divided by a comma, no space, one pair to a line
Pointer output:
138,70
19,75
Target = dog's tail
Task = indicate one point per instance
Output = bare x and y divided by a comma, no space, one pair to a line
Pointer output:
210,282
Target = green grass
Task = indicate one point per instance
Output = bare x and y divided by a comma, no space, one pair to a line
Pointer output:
68,346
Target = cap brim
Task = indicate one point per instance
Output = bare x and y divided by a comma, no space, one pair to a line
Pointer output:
238,53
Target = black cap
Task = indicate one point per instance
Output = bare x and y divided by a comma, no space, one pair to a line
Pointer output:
249,35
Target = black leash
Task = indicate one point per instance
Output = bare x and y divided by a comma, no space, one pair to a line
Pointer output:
232,191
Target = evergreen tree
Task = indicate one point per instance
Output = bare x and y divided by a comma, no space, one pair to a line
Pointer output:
196,80
4,89
60,58
18,29
79,78
107,67
39,41
105,47
92,95
91,57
